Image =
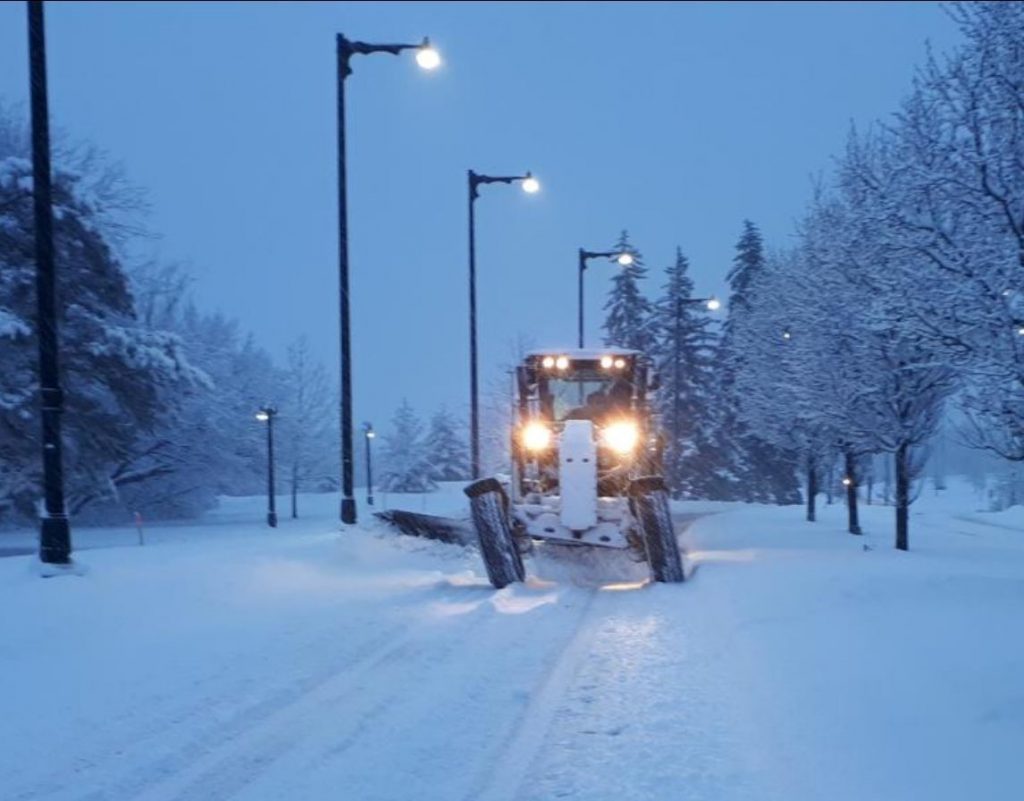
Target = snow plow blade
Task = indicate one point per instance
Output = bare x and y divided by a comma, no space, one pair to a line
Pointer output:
431,527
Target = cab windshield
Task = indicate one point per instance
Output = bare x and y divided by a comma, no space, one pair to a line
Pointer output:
587,395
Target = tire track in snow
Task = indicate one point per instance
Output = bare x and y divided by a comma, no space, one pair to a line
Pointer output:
359,692
133,767
501,782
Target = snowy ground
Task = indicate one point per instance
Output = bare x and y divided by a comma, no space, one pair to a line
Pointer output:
228,661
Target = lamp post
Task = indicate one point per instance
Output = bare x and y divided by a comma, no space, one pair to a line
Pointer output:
369,434
55,531
530,186
625,258
267,415
428,58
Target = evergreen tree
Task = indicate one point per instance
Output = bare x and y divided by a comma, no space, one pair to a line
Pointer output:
756,470
682,357
446,448
121,377
628,321
406,463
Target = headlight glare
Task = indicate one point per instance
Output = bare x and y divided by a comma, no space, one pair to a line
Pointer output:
536,436
621,437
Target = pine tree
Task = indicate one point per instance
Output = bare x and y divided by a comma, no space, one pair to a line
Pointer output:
446,448
406,464
628,321
122,378
756,470
683,360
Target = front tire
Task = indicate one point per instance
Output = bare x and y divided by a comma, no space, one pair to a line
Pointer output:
650,505
489,505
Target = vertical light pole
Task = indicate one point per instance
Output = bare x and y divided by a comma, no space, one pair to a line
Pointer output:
428,58
54,531
624,258
267,415
369,435
530,186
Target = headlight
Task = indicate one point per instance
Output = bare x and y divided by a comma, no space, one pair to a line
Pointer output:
536,436
621,437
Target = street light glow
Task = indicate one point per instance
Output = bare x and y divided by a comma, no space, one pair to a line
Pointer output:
427,57
714,304
847,481
787,335
262,416
531,185
371,434
625,259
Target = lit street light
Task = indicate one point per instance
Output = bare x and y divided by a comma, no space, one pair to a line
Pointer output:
369,434
267,415
531,186
624,259
428,58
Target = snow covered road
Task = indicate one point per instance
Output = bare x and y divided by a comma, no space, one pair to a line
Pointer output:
303,664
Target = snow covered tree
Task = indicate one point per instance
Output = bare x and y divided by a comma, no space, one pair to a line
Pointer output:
682,356
628,322
757,470
306,422
446,448
406,463
121,377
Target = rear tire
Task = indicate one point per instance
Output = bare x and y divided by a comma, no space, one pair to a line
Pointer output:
650,506
489,505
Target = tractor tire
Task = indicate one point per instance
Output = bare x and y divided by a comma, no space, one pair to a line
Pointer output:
489,505
649,498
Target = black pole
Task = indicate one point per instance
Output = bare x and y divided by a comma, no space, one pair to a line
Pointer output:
54,531
348,502
676,412
582,269
271,493
369,473
851,494
474,395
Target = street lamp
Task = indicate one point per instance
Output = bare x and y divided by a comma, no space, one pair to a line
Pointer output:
55,531
428,58
369,434
267,415
531,186
624,258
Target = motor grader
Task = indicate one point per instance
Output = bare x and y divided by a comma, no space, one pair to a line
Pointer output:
586,466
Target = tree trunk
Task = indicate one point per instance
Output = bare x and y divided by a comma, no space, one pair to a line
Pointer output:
295,492
812,488
829,481
851,493
902,497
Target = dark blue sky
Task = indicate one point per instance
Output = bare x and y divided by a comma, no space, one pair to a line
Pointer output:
675,121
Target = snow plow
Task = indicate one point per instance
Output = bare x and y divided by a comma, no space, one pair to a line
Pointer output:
586,466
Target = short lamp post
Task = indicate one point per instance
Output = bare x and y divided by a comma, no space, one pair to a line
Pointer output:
369,434
427,57
267,415
625,258
530,185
